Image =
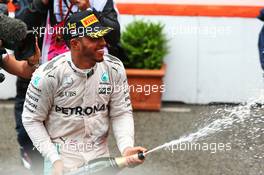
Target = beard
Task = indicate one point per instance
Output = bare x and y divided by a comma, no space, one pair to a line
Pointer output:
92,52
95,55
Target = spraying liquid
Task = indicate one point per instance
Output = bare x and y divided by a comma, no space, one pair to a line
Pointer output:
236,115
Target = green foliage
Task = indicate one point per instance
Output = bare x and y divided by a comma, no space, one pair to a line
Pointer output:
145,44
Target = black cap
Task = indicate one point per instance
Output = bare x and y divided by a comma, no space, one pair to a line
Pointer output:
84,23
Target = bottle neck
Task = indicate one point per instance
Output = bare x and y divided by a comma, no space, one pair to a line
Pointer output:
121,162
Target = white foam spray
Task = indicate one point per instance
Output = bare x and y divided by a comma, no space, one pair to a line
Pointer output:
235,115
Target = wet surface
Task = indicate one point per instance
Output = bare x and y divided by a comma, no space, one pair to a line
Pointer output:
246,141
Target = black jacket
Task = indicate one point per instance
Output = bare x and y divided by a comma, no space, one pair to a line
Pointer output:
261,15
34,15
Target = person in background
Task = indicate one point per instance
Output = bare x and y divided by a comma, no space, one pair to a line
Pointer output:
9,63
23,68
261,40
30,157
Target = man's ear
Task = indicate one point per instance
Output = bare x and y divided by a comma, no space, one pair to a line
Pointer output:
75,44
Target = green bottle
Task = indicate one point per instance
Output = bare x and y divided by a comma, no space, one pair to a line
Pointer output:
105,165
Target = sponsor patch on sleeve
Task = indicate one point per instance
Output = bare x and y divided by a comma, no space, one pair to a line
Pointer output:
36,81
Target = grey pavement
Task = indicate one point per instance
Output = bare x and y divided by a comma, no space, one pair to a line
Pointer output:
246,140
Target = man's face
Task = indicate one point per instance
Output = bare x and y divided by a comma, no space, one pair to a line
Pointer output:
92,49
82,4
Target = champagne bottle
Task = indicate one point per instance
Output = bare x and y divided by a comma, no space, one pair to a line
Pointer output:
105,165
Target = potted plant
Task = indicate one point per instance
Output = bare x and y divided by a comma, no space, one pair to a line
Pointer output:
146,46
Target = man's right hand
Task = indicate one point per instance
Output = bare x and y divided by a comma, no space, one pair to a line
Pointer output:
57,167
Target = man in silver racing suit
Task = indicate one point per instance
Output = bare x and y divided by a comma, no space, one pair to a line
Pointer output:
72,100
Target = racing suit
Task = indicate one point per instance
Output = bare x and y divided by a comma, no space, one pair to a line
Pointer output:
73,108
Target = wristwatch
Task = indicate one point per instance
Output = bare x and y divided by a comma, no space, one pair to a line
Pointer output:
35,66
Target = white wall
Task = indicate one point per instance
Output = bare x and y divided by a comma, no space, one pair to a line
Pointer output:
229,68
211,59
8,87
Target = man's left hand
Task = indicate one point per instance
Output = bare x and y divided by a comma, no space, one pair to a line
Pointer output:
133,161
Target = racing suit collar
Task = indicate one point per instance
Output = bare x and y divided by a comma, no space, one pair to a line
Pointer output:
82,72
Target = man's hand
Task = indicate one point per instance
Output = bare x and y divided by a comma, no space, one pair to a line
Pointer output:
22,68
131,160
57,167
34,60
